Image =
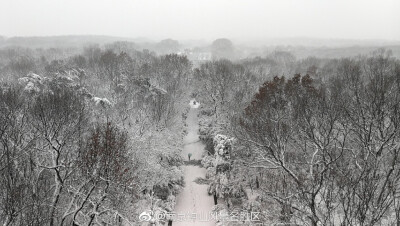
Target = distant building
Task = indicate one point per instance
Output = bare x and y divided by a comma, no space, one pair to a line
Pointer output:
198,57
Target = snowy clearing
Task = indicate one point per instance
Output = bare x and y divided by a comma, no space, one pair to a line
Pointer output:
194,103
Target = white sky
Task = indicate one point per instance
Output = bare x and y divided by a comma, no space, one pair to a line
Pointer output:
203,19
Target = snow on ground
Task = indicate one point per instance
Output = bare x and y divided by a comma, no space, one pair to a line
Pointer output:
194,201
194,103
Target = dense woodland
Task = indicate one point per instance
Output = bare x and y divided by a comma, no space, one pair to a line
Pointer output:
92,136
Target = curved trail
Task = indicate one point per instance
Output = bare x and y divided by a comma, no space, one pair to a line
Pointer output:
193,202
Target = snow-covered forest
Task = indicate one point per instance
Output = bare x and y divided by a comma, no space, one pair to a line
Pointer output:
101,135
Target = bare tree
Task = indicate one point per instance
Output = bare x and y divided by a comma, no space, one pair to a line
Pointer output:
58,124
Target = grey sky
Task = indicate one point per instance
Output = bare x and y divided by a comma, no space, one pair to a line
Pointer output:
203,19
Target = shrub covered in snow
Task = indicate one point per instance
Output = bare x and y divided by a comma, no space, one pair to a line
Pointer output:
102,102
33,83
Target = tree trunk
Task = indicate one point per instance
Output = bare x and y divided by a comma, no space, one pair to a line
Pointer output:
56,198
257,183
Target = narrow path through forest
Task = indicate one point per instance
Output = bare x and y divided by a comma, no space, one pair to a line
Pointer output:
194,201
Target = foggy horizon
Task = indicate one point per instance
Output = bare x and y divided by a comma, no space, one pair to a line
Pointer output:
250,21
209,40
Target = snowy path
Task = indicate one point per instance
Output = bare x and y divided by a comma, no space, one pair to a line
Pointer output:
194,200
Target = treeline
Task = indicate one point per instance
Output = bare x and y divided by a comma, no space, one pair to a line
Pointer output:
90,137
315,144
93,136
